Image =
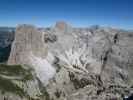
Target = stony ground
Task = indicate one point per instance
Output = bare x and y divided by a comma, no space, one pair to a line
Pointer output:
69,63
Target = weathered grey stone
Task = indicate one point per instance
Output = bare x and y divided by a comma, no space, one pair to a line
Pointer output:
27,39
91,63
108,54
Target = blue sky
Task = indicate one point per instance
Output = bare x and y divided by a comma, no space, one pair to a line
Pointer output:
80,13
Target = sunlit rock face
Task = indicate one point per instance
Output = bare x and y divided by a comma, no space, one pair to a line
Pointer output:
27,39
76,63
29,50
89,63
61,25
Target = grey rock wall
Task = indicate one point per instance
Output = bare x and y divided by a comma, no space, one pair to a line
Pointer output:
27,39
91,63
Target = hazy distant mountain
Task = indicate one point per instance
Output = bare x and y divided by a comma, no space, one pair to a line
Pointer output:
6,38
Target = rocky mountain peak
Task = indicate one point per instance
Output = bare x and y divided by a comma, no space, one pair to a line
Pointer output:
76,63
61,25
27,39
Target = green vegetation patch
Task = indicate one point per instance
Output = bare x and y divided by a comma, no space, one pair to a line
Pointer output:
9,73
7,85
16,71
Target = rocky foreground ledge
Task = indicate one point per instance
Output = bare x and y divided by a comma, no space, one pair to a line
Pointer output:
66,63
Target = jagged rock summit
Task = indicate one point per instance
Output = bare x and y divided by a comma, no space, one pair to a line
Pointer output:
77,63
61,25
29,49
27,40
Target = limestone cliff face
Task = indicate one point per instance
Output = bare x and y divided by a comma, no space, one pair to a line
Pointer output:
29,50
94,64
91,63
27,40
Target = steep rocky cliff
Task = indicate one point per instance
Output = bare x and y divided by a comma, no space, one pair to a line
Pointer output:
75,63
93,63
27,40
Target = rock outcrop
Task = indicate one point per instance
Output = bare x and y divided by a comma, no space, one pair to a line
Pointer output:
27,40
92,67
76,63
29,50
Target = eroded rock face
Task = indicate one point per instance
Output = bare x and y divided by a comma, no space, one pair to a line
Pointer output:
61,25
96,64
91,63
27,40
29,50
